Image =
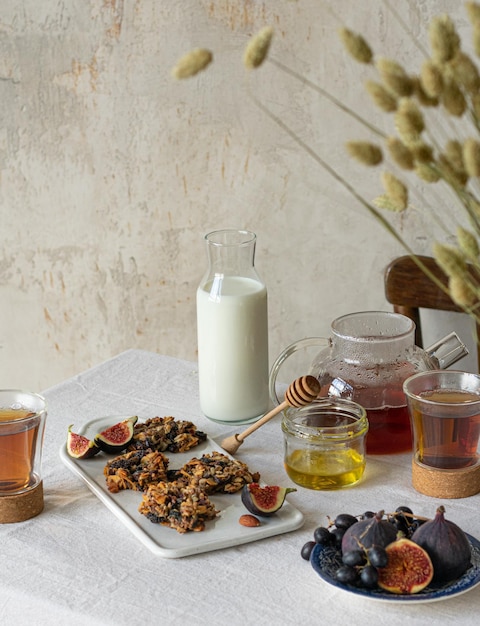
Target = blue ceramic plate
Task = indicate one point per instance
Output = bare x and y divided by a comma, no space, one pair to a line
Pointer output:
325,561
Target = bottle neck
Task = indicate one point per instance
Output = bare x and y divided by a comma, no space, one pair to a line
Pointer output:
231,252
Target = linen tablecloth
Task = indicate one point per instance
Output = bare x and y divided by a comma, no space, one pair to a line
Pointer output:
76,563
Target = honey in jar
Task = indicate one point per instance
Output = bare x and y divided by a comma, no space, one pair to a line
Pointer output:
324,443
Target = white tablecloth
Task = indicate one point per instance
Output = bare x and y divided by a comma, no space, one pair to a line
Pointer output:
76,563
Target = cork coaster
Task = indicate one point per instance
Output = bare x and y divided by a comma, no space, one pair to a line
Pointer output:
445,483
21,506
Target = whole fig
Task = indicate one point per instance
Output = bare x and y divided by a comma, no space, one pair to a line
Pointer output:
447,546
374,531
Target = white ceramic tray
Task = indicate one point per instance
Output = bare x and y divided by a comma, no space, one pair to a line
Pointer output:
223,532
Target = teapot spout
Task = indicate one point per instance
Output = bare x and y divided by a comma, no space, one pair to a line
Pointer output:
447,351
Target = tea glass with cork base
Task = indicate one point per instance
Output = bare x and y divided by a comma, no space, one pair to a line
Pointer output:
444,409
22,426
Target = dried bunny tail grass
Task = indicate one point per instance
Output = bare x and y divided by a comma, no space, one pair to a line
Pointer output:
395,77
431,79
381,96
365,152
453,99
461,292
427,173
449,259
385,202
473,12
465,72
356,46
191,63
473,207
409,121
395,190
324,93
422,152
400,153
475,104
422,96
454,153
468,243
476,39
471,156
257,48
452,163
453,176
444,39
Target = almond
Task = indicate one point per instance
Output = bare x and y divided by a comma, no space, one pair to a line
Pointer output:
249,520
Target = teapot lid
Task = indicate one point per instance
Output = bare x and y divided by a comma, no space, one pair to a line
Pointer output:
379,335
366,326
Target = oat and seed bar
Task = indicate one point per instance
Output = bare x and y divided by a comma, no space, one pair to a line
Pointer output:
215,473
135,470
166,434
182,507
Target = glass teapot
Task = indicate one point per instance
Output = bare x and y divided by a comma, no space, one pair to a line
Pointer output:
368,357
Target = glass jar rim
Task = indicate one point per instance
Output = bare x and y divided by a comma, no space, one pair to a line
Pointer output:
340,406
15,397
443,382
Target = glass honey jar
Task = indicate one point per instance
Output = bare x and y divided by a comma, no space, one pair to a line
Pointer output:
324,443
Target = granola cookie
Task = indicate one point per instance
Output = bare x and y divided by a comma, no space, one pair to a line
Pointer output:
182,507
166,434
135,470
215,473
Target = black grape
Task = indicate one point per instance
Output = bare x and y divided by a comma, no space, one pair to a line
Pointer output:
404,509
307,550
323,536
378,556
354,557
369,576
346,574
345,520
338,535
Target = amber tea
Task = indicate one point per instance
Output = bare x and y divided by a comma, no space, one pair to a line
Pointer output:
447,432
18,440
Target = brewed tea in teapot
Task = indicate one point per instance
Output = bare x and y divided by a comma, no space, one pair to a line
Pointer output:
368,357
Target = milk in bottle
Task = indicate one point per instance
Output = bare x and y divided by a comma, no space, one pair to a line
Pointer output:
232,326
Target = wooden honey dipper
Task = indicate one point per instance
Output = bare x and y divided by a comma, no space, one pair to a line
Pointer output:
300,393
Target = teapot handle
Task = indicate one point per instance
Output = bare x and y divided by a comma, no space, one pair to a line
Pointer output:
289,350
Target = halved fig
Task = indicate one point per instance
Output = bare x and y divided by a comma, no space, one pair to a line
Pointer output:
264,501
117,437
79,447
409,568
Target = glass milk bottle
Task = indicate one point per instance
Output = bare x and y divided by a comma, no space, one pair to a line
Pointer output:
232,327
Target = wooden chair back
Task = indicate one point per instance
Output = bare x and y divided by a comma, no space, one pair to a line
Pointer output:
409,289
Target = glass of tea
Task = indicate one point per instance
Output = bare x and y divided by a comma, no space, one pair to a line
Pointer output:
444,409
22,425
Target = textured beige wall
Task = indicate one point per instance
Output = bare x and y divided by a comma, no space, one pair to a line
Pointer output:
111,172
